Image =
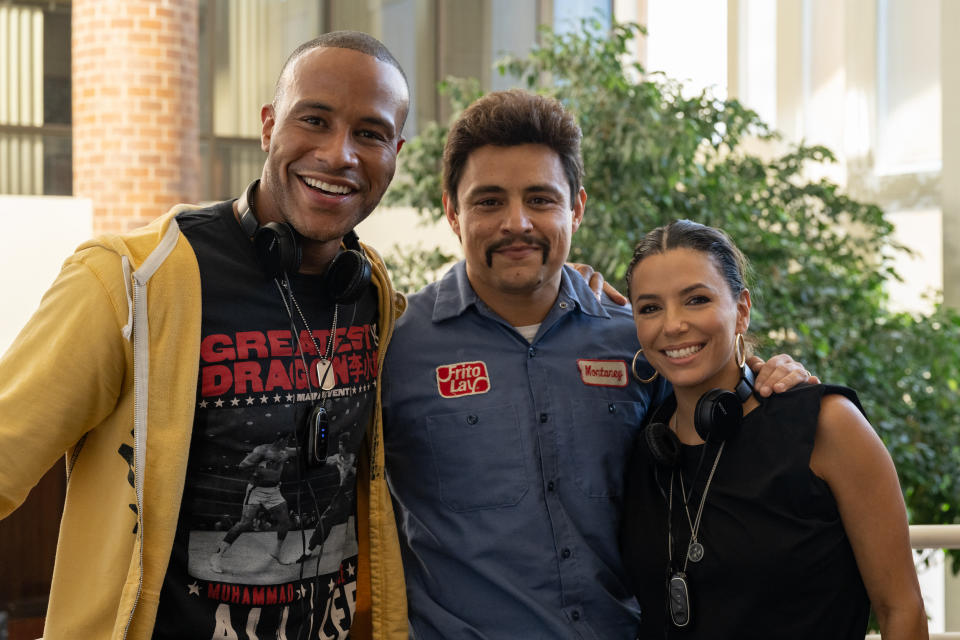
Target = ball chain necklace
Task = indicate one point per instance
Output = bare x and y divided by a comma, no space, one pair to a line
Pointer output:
325,374
678,587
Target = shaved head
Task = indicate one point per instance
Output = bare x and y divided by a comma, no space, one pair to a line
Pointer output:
355,40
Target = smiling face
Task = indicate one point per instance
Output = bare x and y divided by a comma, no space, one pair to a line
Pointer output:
687,318
514,218
331,138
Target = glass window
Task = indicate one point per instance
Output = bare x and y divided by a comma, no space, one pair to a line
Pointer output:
908,86
691,51
757,58
513,30
35,139
401,39
242,46
568,13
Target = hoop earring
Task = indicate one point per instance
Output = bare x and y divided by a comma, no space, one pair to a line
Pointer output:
633,370
740,349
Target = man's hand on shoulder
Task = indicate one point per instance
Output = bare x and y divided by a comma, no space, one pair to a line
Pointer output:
598,284
779,373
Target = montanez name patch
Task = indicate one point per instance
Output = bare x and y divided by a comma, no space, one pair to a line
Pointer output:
462,379
603,373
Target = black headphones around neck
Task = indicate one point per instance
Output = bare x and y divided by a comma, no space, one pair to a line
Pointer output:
347,277
716,418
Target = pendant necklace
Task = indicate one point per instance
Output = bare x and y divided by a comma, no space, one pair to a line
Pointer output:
695,549
678,589
678,586
325,374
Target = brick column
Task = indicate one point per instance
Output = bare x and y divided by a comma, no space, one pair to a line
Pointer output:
134,108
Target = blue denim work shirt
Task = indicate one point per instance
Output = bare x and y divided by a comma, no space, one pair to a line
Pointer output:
506,461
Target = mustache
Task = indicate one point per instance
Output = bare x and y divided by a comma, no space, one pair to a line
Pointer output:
518,239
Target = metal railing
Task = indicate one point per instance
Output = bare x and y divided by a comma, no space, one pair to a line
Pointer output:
933,536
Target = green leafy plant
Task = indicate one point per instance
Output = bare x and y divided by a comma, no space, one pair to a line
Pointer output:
821,260
416,267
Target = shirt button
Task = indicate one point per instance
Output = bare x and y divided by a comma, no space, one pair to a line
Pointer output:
472,419
563,305
531,352
611,408
565,554
551,486
543,417
575,615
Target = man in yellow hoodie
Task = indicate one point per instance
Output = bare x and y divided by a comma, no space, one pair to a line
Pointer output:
159,358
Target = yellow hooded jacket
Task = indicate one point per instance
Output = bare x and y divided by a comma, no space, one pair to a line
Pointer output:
107,367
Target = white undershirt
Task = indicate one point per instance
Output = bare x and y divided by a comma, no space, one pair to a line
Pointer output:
529,331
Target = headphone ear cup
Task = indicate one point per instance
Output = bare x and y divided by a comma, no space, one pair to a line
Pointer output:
664,445
277,249
717,415
348,276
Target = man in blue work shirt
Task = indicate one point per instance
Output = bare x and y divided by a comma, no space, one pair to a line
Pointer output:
509,407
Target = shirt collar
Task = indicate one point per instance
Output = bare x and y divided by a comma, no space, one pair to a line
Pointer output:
455,294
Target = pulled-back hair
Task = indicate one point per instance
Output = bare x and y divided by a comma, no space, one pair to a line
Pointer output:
508,119
686,234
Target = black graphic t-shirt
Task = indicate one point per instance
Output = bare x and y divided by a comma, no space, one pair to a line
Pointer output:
266,542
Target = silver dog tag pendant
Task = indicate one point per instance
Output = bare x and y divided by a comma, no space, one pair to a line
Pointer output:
325,374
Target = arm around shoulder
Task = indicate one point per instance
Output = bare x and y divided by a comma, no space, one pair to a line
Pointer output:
853,461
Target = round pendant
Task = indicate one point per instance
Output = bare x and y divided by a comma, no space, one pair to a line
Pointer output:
695,552
325,374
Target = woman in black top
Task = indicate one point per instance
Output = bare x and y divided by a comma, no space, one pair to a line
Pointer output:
786,523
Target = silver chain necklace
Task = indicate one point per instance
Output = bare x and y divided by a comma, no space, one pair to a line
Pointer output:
695,548
325,374
678,586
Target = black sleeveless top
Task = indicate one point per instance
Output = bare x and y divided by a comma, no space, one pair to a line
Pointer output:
776,563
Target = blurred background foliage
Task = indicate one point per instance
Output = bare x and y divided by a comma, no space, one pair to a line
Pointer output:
820,260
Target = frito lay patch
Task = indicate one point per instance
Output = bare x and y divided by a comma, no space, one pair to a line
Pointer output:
462,379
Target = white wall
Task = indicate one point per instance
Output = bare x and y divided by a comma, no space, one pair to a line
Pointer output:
390,230
39,232
920,230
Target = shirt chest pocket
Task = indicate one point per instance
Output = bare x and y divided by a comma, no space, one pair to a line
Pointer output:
601,438
478,457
